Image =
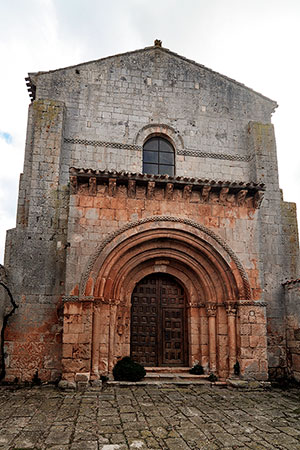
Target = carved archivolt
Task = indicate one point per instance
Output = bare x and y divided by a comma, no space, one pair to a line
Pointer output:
159,129
193,253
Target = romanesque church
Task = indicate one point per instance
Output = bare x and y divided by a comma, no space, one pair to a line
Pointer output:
150,223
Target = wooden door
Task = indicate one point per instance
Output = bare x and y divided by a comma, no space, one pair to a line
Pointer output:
158,322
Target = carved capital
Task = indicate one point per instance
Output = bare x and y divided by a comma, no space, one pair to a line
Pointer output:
231,308
107,301
211,309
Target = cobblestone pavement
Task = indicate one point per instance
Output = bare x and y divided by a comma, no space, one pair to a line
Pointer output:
151,417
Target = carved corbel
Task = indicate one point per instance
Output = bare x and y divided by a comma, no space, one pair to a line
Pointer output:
92,186
223,195
240,197
73,184
112,187
187,192
131,188
258,198
150,189
205,193
169,191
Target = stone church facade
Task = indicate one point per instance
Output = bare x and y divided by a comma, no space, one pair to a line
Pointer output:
150,223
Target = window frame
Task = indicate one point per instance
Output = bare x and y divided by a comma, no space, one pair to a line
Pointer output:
160,155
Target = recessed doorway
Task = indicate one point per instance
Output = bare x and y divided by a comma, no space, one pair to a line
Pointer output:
158,322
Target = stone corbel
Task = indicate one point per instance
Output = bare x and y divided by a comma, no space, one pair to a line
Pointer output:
205,193
241,196
169,191
187,192
223,195
258,198
131,188
112,187
73,184
92,186
150,189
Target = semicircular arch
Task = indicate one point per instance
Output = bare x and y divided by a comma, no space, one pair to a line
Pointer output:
207,262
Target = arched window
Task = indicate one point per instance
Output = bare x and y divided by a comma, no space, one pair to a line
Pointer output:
158,156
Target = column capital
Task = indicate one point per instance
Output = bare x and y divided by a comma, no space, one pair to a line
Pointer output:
211,309
231,308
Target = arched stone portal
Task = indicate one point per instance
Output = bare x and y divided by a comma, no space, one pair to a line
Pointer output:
210,273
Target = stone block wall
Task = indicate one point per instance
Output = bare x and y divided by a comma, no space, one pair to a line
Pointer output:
102,203
97,116
292,301
108,102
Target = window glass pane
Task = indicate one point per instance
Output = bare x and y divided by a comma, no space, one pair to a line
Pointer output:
150,157
166,158
165,146
163,169
150,168
152,145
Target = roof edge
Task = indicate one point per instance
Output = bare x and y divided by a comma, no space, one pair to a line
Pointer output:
162,49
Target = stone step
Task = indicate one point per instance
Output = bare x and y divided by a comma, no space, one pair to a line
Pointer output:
176,376
167,369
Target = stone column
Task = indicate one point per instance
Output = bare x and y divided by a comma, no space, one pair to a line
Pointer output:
231,310
96,342
211,310
112,331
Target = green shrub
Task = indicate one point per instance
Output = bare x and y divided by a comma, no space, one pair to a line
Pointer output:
212,377
236,368
197,369
128,370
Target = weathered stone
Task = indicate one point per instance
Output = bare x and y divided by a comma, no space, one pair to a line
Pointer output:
92,228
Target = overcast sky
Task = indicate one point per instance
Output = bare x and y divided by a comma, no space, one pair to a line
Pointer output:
256,42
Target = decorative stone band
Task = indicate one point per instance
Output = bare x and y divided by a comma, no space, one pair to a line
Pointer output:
103,144
96,300
251,303
233,193
186,152
292,281
223,156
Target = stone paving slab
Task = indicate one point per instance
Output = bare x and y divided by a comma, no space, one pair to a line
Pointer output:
149,417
